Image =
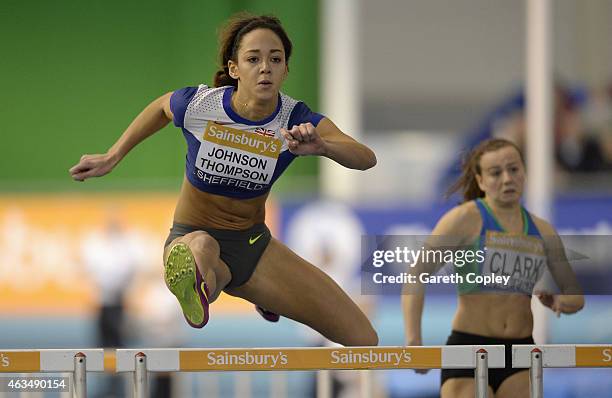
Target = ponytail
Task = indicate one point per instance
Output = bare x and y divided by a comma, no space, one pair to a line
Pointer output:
222,78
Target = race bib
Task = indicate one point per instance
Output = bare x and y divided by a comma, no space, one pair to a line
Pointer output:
230,156
520,258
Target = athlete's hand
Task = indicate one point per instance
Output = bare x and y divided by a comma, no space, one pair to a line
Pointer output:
92,166
562,303
551,301
303,139
417,342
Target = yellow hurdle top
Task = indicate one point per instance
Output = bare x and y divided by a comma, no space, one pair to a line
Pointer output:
237,359
564,355
52,360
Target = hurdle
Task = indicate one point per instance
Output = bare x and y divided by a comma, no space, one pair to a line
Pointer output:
320,359
537,357
75,362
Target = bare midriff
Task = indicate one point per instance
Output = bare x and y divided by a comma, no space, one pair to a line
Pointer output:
494,315
202,209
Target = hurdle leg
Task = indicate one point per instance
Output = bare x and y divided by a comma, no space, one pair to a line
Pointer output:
536,379
80,376
324,384
482,374
141,388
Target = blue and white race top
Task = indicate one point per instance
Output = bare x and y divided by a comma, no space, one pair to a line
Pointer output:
227,154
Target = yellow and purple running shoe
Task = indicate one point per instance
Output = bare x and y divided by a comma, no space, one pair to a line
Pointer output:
184,280
267,315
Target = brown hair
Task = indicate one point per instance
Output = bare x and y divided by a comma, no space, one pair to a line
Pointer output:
467,183
231,36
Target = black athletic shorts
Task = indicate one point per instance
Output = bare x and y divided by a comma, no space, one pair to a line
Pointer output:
496,376
240,250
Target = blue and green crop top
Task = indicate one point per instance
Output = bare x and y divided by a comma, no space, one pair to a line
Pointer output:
521,257
227,154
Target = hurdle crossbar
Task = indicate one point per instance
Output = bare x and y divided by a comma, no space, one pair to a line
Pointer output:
77,362
537,357
316,358
296,359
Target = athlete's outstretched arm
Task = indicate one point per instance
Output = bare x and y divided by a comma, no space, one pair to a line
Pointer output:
152,119
328,140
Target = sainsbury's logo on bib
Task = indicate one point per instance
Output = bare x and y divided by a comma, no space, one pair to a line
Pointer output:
259,143
237,158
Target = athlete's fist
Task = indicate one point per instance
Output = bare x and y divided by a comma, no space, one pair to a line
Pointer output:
551,301
303,139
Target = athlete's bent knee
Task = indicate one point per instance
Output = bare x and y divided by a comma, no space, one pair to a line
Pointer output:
371,338
203,243
366,337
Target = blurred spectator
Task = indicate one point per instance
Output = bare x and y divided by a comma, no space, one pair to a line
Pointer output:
577,121
597,118
582,129
110,258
